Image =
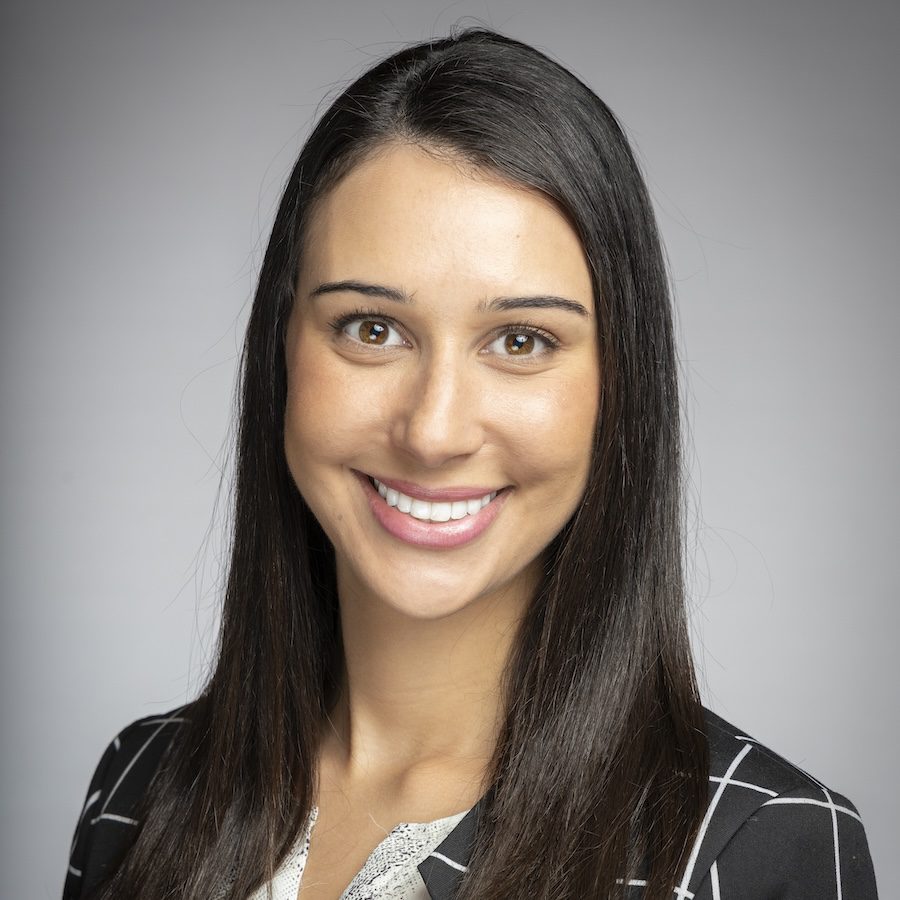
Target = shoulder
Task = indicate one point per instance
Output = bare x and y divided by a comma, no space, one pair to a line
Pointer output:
772,829
107,824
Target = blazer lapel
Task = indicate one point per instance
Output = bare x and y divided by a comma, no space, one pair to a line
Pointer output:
443,868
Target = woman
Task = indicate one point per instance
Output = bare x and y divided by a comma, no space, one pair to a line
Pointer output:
453,659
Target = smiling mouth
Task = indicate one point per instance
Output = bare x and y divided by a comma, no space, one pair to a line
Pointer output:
432,510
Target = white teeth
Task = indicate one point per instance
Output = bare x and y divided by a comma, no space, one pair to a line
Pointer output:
438,511
459,509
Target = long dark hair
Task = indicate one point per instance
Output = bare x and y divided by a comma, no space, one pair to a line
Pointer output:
600,770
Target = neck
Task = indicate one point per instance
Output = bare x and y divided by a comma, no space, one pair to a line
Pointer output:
421,694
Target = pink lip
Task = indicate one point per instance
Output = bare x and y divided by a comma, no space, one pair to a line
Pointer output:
437,535
418,492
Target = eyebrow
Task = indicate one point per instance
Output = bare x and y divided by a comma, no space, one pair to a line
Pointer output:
539,301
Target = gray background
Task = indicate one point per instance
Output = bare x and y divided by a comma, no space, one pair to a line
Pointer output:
144,146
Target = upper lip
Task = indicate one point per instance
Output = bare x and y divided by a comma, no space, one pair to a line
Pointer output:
419,492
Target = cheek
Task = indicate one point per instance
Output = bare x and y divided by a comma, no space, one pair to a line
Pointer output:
329,414
552,424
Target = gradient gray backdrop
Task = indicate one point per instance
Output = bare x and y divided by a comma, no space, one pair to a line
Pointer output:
144,148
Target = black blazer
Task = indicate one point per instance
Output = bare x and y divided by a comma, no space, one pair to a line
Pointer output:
770,830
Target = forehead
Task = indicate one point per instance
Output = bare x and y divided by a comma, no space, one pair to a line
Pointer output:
419,220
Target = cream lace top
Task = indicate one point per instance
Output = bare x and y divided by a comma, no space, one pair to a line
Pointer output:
389,873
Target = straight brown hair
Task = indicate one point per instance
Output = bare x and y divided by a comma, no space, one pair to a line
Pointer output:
600,772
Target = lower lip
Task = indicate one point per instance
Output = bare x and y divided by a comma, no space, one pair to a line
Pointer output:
437,535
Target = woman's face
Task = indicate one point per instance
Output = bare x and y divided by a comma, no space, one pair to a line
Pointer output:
443,381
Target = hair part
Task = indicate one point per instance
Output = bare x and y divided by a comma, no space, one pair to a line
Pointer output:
600,771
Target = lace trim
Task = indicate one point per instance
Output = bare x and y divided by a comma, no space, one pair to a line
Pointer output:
389,873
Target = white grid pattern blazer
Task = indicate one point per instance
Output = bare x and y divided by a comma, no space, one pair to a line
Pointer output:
770,830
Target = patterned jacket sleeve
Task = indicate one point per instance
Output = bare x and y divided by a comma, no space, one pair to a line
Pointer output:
108,825
795,847
83,830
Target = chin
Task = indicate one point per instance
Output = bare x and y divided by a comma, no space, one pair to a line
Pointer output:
422,597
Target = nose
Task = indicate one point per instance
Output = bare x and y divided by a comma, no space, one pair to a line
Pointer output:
439,413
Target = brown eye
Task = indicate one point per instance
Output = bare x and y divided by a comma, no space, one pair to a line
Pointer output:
523,343
369,332
372,332
519,344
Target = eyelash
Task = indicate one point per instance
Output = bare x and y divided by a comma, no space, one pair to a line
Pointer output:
529,328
